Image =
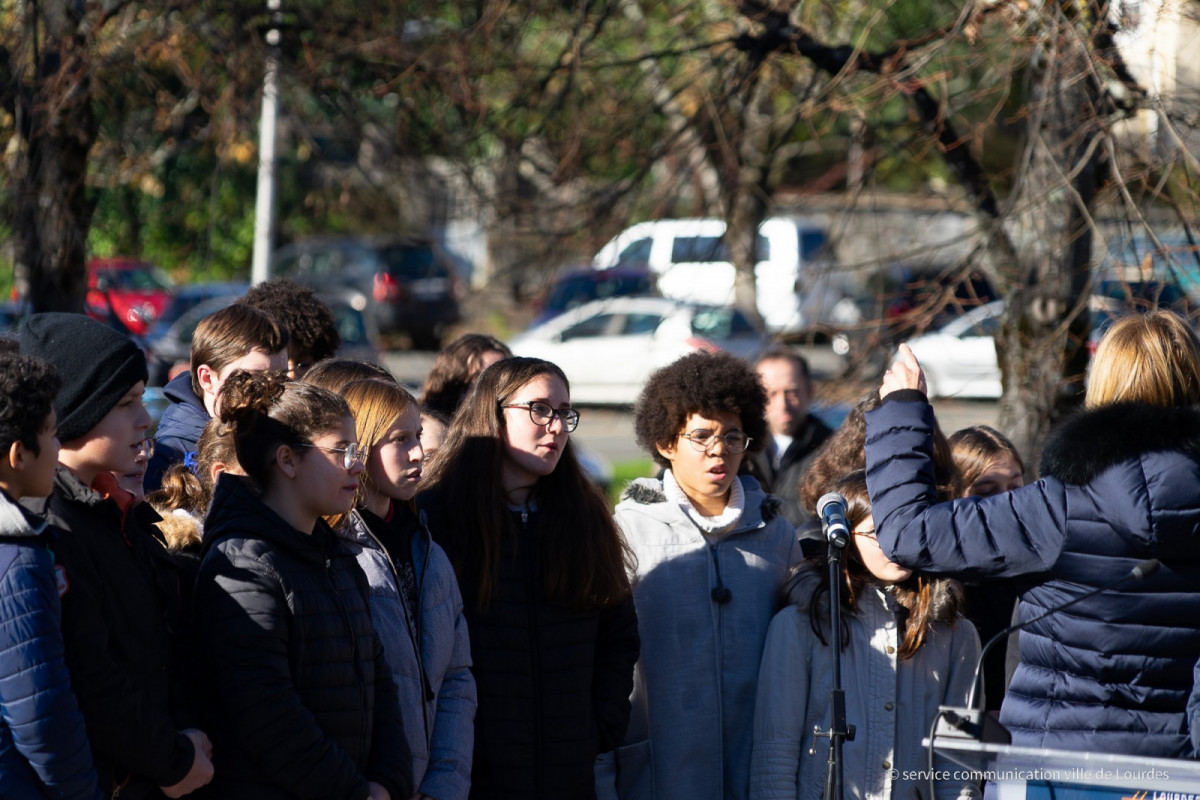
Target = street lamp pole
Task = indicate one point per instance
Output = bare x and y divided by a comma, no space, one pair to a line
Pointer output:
264,206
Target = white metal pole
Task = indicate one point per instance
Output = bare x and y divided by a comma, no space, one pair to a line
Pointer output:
264,206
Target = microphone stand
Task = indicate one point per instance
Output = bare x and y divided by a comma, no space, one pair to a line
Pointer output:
839,732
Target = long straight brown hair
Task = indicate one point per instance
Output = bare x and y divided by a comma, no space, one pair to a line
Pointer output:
584,560
925,600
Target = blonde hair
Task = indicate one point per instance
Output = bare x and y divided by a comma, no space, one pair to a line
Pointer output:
376,405
1149,358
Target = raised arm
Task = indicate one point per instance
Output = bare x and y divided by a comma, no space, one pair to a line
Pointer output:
1016,533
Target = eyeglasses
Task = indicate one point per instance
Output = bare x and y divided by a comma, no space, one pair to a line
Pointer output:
351,454
703,440
544,414
869,533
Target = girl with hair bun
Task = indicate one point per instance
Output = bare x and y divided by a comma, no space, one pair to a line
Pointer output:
302,698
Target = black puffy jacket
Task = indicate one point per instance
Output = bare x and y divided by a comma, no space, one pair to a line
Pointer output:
302,699
120,617
553,683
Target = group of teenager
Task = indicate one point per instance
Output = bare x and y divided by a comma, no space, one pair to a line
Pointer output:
325,588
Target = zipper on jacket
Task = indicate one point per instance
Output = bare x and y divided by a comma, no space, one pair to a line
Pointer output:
414,636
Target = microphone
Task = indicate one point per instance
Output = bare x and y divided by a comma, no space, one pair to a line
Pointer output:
974,722
831,508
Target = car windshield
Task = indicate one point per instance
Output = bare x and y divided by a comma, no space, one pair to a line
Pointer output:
721,323
579,289
412,262
349,322
703,249
137,279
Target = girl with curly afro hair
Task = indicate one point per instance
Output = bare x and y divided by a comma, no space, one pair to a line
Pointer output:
712,548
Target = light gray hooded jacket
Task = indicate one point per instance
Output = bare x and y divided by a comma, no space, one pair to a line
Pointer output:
436,690
695,683
890,702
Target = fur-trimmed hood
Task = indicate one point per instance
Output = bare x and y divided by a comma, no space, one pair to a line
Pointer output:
760,506
1095,440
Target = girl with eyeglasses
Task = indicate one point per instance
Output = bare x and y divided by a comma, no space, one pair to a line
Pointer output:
905,650
542,568
301,695
415,602
712,548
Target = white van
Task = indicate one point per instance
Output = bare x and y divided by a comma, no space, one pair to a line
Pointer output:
797,286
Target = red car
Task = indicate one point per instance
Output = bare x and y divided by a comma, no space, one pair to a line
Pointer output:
126,290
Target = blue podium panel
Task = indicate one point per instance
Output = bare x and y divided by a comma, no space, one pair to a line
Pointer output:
1026,773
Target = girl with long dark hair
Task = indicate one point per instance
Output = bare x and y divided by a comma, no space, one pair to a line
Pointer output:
905,650
542,570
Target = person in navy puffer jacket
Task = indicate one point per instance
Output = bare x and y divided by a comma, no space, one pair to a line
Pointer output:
44,748
1120,484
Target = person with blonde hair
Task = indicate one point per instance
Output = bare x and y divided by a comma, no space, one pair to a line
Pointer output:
1120,486
416,605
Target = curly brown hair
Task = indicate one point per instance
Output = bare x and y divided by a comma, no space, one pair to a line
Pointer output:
312,330
699,383
844,452
28,387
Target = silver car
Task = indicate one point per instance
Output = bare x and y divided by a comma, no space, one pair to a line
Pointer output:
608,348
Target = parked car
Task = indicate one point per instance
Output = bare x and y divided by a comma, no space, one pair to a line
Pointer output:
959,358
168,349
128,292
357,328
902,301
575,287
191,295
797,286
410,286
608,348
170,352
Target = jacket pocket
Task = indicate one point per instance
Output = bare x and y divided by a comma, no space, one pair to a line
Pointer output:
634,767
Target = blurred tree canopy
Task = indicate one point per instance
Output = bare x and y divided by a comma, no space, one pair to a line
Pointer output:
132,127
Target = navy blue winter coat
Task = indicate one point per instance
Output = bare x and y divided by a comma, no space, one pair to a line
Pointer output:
178,430
1120,484
43,744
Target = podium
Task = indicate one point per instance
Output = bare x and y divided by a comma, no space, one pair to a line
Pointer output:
1031,773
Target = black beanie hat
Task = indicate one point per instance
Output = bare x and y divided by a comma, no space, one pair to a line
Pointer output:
98,365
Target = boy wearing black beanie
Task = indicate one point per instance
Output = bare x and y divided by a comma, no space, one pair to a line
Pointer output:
119,586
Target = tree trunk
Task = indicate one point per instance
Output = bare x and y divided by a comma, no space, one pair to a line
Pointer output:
746,193
1047,287
52,211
